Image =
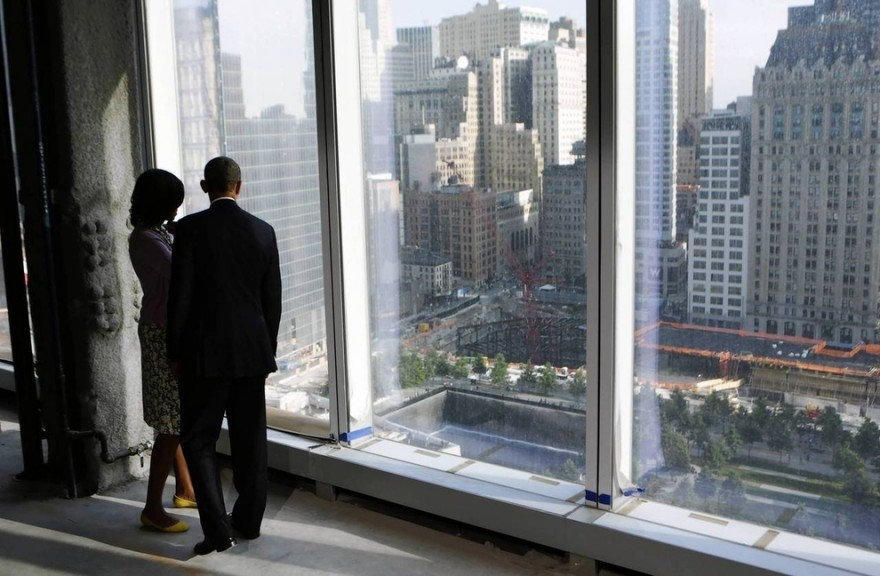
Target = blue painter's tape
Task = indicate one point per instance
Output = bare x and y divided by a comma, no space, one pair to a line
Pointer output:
633,491
600,498
355,434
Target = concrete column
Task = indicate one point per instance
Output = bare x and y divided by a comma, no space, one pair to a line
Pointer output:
100,131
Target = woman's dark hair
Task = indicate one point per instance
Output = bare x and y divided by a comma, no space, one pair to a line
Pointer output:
156,193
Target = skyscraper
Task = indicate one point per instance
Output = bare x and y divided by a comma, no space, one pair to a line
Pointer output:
719,244
197,50
563,217
559,99
695,81
377,41
278,156
486,28
814,214
656,121
424,43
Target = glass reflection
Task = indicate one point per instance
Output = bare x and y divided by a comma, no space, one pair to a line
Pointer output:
246,89
474,127
756,338
5,339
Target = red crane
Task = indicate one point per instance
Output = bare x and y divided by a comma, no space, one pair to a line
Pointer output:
528,277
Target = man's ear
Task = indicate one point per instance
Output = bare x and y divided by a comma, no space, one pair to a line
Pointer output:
237,187
204,186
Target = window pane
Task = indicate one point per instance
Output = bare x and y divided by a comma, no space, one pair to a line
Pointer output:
756,385
246,89
5,340
476,207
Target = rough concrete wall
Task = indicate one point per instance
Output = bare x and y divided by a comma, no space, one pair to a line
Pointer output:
102,100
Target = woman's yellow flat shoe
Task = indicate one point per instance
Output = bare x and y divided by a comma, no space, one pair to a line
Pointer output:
181,502
179,526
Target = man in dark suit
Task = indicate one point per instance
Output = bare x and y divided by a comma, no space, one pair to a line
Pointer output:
224,309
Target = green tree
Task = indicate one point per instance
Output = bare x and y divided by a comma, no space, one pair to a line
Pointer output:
499,374
858,488
578,384
675,410
716,409
440,366
779,436
733,491
528,378
715,457
832,433
683,495
866,442
430,362
847,461
749,431
761,413
733,441
412,370
547,379
480,365
698,433
675,451
704,485
460,369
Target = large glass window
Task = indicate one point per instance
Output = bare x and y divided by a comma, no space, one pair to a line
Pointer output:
474,123
739,410
5,340
244,87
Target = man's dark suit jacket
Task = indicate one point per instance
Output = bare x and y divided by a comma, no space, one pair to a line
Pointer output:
224,305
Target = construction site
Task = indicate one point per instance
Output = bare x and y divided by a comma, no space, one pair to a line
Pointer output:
776,367
737,362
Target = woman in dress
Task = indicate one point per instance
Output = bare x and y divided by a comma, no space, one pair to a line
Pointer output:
156,197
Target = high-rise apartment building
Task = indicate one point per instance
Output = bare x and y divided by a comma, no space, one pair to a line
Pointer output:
815,268
486,28
719,245
559,99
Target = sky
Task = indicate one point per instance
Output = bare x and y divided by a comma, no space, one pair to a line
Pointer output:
271,40
744,31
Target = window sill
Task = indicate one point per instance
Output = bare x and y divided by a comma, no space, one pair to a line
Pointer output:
666,539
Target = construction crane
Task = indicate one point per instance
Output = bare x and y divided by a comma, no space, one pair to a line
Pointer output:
528,276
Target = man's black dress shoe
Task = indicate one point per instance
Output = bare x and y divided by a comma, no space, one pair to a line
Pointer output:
206,546
242,533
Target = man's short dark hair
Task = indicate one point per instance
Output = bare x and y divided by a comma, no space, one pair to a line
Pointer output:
222,173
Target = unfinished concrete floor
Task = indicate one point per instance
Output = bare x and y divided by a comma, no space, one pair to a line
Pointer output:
41,532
